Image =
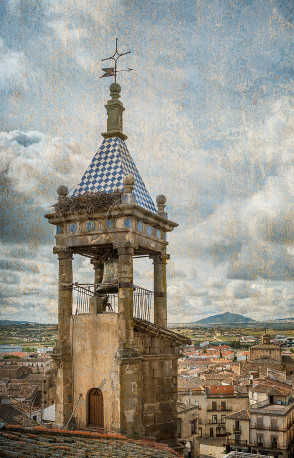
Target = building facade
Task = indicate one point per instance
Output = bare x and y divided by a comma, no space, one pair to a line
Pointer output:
266,356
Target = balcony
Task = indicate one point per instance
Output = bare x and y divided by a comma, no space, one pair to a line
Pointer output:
269,445
268,428
143,301
220,409
237,442
237,430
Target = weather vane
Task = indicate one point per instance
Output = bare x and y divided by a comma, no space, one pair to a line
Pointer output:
112,71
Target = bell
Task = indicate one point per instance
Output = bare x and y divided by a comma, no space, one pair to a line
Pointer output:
109,283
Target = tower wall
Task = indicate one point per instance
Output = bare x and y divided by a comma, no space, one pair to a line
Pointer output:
159,386
95,365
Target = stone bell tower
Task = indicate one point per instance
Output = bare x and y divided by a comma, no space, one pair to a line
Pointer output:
116,361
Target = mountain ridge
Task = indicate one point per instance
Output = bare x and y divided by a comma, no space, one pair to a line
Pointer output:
225,318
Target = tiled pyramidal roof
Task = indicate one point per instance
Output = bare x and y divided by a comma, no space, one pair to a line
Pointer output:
109,166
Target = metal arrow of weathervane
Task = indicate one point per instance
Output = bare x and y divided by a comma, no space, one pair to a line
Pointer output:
112,71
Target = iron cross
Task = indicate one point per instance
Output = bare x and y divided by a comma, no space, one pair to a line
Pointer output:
112,71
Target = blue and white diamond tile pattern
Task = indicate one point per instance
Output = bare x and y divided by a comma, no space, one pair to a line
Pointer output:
110,165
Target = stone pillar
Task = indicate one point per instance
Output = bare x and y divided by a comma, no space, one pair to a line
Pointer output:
160,290
63,351
98,272
130,362
125,294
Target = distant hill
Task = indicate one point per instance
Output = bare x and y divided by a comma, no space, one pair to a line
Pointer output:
225,318
9,322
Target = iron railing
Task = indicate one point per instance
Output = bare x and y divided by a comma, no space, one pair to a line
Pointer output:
143,300
237,441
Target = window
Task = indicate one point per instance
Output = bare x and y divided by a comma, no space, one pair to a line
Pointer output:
259,421
179,427
273,423
274,442
223,405
214,418
211,432
223,419
237,425
237,438
260,440
214,405
193,427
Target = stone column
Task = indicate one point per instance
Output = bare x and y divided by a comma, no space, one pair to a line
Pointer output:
160,290
125,294
98,272
130,362
63,350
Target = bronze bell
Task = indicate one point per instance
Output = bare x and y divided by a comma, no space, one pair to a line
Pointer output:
109,283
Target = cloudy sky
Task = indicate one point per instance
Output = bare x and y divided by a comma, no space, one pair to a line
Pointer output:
209,116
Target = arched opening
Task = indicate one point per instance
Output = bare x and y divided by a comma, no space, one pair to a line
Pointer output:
96,410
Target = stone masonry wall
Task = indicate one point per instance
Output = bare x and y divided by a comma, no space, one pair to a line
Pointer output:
159,384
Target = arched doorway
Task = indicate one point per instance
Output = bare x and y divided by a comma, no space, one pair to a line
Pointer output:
96,411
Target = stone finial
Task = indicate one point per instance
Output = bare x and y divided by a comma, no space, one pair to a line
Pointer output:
114,110
62,191
129,183
161,200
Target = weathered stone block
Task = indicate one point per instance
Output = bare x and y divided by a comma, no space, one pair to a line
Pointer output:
155,350
157,373
149,398
171,426
148,374
155,342
163,418
147,341
148,419
151,408
156,364
168,368
165,406
167,389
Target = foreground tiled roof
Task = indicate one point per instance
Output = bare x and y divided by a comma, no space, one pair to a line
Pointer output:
41,442
241,415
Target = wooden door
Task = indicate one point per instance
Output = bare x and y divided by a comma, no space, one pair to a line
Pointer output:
96,412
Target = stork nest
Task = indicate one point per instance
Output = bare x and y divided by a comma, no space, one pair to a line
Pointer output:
88,203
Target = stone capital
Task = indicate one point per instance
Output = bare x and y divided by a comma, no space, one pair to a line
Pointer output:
160,258
63,252
97,263
124,248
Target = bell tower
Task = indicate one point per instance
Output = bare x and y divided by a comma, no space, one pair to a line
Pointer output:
115,359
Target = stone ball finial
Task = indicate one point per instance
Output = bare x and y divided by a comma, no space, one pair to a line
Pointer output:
161,199
114,87
62,191
129,180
